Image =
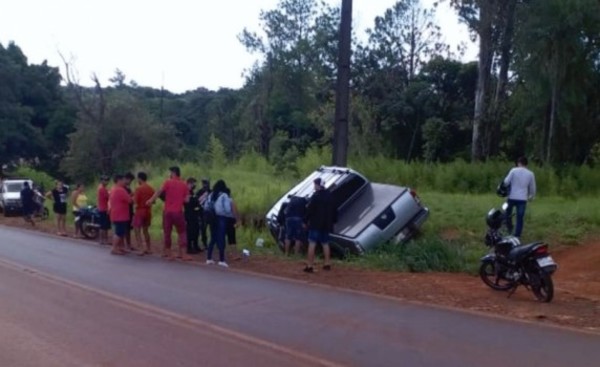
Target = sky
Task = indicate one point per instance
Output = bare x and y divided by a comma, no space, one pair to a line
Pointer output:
181,44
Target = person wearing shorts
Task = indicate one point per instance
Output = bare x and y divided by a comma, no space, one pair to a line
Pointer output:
176,194
102,195
142,218
320,217
59,196
295,212
119,214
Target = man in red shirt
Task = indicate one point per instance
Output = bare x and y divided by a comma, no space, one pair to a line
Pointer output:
119,214
102,196
142,218
176,195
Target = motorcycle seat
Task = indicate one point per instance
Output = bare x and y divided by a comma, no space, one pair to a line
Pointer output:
519,251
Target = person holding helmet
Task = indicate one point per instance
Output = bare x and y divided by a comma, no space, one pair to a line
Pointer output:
522,189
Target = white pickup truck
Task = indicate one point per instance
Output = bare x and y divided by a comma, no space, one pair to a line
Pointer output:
368,214
10,195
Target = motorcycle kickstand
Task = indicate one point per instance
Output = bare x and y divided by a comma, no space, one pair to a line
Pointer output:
512,290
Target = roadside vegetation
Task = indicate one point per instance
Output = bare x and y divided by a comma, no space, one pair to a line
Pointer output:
458,195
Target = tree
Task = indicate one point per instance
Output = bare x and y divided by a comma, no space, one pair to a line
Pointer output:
128,134
402,41
558,53
32,110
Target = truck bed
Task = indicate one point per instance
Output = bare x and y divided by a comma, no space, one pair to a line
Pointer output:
365,209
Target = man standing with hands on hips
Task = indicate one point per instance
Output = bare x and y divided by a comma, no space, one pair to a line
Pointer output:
522,189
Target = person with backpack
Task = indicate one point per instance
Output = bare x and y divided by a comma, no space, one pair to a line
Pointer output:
232,224
217,210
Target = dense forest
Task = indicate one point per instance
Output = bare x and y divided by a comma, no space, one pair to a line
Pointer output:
535,90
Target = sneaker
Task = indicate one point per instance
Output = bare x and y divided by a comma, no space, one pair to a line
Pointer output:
308,269
223,264
210,262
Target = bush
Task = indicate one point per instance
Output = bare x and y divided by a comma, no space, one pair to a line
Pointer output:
422,255
39,178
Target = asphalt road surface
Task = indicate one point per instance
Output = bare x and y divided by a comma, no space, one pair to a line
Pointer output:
69,303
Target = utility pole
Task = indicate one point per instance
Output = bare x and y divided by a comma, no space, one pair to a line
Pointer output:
342,99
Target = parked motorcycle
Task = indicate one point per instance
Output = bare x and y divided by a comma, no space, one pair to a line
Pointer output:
511,264
88,219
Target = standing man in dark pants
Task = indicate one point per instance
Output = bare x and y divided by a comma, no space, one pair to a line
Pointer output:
27,203
522,189
295,211
203,194
320,218
192,211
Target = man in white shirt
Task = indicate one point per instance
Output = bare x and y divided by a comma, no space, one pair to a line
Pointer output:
522,189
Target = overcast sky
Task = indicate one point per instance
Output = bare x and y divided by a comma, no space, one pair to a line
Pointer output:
188,43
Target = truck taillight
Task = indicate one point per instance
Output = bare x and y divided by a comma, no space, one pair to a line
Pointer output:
413,193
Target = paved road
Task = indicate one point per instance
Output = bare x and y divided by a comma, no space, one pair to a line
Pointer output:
98,309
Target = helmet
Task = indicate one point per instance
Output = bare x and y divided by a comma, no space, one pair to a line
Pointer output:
503,190
494,218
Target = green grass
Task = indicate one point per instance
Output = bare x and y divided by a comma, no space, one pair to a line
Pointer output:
452,238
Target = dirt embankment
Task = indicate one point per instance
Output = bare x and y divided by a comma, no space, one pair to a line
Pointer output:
577,285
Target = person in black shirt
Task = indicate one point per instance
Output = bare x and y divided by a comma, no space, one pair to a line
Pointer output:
294,212
59,196
203,194
27,203
320,218
192,211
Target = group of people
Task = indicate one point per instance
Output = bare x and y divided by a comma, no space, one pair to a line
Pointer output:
187,211
313,220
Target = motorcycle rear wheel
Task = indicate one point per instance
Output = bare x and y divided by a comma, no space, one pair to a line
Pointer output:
544,291
89,231
489,276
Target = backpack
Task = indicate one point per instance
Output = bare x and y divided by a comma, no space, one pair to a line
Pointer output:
210,215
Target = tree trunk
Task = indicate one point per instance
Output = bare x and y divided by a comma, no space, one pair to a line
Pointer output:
505,58
553,108
484,69
342,100
412,143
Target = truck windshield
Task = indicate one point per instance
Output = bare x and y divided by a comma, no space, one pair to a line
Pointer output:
14,187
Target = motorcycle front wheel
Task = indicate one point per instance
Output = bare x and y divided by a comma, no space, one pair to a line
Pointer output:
89,231
542,286
489,275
